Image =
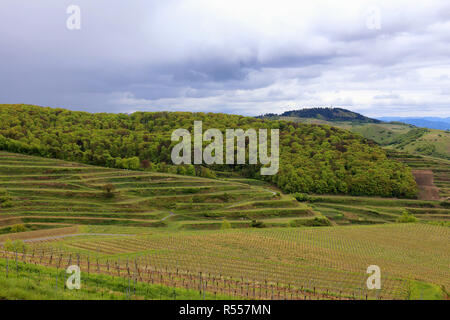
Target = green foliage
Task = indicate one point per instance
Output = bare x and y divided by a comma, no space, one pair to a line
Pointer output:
225,225
14,246
329,114
409,137
427,149
5,199
406,217
18,228
34,282
257,224
226,197
108,190
316,222
417,290
301,197
313,159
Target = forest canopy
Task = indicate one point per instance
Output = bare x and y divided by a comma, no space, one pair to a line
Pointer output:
313,158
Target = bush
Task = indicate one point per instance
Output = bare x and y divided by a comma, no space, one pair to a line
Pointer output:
445,204
301,197
225,225
18,228
108,190
316,222
257,224
5,199
406,217
6,204
226,197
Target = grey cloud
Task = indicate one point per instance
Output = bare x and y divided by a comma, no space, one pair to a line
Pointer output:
195,55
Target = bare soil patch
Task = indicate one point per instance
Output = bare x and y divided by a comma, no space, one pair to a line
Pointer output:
425,182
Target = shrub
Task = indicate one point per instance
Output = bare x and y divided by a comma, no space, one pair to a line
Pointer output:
301,197
257,224
226,197
18,228
316,222
6,204
108,190
5,199
406,217
225,225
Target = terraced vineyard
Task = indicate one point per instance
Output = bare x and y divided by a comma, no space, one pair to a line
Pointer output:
150,228
52,193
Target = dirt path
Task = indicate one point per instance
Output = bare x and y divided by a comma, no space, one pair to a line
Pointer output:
76,235
171,214
425,182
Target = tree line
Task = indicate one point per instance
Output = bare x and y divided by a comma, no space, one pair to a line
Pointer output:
313,158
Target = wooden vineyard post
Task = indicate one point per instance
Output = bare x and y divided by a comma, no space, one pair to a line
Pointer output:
200,282
23,254
266,286
17,265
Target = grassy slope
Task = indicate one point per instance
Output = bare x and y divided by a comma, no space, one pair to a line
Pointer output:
31,282
432,143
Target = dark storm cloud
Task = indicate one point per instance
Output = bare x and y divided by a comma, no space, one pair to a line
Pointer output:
246,57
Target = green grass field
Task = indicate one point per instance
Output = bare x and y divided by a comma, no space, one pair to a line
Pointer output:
25,281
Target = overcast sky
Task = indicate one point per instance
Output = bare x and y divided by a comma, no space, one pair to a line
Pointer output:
380,58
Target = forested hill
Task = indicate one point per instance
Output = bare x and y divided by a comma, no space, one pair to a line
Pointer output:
329,114
313,158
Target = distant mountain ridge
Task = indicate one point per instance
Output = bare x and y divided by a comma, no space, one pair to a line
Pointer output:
426,122
327,114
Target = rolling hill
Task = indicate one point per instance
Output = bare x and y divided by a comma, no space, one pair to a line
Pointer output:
394,135
142,234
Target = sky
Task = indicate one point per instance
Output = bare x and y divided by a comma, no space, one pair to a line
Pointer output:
379,58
